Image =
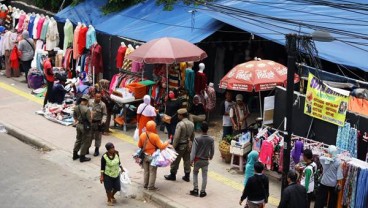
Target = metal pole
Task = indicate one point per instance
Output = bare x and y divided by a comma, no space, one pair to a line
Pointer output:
260,103
291,40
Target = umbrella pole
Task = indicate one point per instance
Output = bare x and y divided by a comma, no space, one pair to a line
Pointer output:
167,79
260,103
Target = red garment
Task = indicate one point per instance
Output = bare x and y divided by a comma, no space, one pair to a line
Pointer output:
14,60
200,82
39,27
265,156
82,39
47,70
120,56
96,58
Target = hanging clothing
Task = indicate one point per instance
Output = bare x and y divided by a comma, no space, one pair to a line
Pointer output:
25,24
174,78
358,105
35,25
22,17
347,139
76,53
297,151
211,99
82,39
52,35
68,35
189,81
127,64
39,27
44,29
120,56
8,20
91,37
137,67
31,25
266,153
200,82
96,58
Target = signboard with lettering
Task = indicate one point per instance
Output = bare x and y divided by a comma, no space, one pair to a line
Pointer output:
324,103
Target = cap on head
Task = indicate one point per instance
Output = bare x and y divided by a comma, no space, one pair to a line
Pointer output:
239,97
109,146
85,97
182,111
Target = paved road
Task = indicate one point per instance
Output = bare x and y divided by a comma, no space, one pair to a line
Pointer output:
29,179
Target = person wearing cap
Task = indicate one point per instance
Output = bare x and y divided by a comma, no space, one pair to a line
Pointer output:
99,116
150,141
331,179
49,75
183,138
82,118
239,114
172,105
110,172
27,49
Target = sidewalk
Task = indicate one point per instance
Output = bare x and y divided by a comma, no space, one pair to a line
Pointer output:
17,110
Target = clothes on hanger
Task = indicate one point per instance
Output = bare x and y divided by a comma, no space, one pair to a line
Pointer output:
52,35
91,37
68,35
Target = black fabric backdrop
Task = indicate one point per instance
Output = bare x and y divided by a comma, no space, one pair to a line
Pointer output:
320,130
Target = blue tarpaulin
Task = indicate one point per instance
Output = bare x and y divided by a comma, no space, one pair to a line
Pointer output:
272,19
144,21
87,12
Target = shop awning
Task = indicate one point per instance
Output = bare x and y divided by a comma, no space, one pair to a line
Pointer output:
147,21
273,19
144,21
87,12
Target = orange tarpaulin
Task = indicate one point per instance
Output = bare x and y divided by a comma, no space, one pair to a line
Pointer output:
358,105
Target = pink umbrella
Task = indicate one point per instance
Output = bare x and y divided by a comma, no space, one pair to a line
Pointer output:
167,51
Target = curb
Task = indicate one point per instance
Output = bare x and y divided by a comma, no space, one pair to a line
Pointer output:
26,137
161,200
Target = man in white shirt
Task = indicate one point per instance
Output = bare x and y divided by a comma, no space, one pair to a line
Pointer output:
227,126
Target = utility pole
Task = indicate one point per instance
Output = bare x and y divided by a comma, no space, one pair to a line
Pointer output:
291,40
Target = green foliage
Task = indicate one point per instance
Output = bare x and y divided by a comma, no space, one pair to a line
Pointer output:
117,5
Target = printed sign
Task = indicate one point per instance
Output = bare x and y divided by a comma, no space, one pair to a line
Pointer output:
324,103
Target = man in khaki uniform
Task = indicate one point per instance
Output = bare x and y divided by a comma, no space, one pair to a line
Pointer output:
82,117
183,134
99,114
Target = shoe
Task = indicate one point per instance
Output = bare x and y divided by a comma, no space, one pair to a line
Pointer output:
109,203
186,177
97,152
170,177
75,156
145,187
194,192
84,159
202,194
113,200
153,189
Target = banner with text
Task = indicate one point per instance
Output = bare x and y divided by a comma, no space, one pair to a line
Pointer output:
324,103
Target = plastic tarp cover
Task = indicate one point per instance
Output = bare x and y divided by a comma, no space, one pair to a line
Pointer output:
345,49
87,12
147,21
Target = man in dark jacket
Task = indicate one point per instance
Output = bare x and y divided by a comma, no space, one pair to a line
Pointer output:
294,195
257,188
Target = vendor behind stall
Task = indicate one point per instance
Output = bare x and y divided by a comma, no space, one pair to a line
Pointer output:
58,89
197,113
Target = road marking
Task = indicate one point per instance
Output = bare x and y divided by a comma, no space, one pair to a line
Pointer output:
213,175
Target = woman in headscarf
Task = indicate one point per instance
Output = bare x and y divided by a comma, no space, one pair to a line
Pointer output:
249,167
145,112
110,171
105,97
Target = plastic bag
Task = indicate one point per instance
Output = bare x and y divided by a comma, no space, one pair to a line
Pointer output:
124,182
136,134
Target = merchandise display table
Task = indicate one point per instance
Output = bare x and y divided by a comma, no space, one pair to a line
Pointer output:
124,105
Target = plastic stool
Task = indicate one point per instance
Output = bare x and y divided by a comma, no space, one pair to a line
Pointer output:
241,162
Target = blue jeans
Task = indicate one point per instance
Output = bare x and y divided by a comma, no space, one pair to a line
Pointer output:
227,130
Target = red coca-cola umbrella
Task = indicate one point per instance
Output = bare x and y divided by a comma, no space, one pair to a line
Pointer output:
258,75
167,51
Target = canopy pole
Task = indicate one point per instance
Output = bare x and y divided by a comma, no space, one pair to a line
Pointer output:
260,103
167,79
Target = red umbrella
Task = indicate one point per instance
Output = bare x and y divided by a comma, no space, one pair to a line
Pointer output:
258,75
167,51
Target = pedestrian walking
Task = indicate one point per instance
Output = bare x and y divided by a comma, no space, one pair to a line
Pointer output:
203,150
99,114
110,172
145,112
239,114
307,174
183,138
294,195
252,158
150,141
170,118
227,126
82,118
27,49
256,191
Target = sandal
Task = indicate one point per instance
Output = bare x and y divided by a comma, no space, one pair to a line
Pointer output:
109,203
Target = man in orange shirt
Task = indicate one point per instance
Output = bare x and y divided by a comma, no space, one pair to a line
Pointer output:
150,142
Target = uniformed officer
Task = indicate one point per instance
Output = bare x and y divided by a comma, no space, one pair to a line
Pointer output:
82,117
184,133
99,114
